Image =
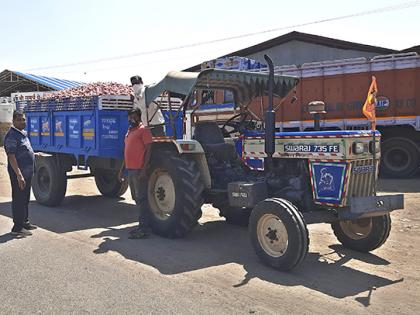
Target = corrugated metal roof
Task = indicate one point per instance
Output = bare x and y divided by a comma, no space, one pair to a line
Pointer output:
303,37
54,83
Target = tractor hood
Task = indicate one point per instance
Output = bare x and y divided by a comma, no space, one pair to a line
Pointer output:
245,85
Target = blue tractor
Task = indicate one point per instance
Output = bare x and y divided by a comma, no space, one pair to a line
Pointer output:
274,182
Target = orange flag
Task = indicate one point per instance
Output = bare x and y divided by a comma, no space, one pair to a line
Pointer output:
369,106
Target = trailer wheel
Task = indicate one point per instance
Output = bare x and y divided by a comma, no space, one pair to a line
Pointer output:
174,194
50,182
400,157
363,235
108,184
278,233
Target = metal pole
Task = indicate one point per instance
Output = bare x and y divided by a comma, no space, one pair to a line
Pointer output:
171,118
317,125
270,116
374,162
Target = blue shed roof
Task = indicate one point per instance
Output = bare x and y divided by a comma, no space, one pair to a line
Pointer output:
54,83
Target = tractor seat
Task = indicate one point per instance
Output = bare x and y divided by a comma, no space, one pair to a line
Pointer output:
211,138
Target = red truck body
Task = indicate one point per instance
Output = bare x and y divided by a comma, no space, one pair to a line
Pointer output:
343,86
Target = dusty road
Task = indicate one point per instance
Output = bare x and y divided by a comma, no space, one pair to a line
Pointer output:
80,261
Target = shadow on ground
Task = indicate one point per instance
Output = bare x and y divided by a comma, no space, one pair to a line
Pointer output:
216,243
389,185
6,238
79,213
211,244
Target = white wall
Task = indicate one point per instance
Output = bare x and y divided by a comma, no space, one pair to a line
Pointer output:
6,110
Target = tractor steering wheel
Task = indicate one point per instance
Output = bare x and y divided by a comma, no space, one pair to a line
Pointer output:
238,126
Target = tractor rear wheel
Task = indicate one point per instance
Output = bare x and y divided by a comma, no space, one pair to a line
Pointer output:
278,233
174,194
363,235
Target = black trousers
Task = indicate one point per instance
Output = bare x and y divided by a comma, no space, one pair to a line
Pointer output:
138,189
20,202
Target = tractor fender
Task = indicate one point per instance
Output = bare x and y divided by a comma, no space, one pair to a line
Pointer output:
194,150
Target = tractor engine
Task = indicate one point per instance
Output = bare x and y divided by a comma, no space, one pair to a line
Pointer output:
289,179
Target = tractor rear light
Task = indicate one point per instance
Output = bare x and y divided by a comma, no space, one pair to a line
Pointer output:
358,147
187,146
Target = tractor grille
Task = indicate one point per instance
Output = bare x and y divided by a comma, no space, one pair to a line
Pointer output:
362,179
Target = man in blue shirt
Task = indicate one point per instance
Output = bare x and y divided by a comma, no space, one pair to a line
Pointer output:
20,156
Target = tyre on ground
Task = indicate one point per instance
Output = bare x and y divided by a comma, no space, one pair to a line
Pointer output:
400,158
363,235
174,194
49,182
108,184
278,233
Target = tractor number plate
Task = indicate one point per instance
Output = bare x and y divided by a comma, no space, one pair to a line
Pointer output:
311,148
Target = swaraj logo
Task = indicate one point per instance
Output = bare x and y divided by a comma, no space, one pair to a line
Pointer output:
382,103
326,181
311,148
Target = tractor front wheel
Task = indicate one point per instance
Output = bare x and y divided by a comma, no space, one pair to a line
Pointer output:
278,233
363,235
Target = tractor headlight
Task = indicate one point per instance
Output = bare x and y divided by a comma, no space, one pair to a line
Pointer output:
358,147
377,147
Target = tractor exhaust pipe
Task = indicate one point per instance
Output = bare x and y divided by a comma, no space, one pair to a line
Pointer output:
270,117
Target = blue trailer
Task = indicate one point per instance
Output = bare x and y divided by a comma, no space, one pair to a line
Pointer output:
87,133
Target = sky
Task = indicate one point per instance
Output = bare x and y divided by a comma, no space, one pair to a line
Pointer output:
38,36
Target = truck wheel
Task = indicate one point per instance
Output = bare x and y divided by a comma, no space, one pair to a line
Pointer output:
363,235
278,233
400,157
50,182
174,194
108,183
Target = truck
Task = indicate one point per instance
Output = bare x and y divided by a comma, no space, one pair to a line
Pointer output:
303,177
342,85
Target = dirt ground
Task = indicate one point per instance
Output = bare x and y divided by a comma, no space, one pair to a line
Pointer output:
331,279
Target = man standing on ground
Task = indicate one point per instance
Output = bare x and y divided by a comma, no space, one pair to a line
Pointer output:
20,166
138,144
151,115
